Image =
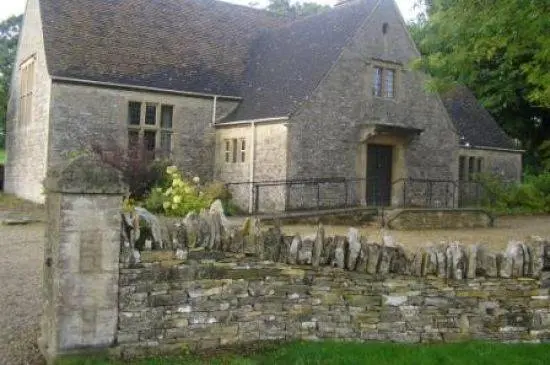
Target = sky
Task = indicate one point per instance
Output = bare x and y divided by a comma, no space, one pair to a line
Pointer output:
15,7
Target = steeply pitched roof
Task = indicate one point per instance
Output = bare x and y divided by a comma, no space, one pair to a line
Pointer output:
189,45
472,121
287,63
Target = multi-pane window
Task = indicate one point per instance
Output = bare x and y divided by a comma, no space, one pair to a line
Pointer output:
471,166
234,150
27,87
243,150
150,114
166,116
468,167
479,167
134,113
227,150
384,82
378,81
462,168
389,77
150,128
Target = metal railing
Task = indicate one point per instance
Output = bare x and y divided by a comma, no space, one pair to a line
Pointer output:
340,192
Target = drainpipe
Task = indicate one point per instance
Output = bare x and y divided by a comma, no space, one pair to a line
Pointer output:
251,166
214,110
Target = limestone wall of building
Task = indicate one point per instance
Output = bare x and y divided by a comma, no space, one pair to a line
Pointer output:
82,115
324,132
269,141
504,164
27,143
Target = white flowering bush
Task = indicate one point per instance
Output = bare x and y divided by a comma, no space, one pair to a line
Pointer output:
181,196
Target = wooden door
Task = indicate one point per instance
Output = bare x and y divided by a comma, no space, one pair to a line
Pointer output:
379,174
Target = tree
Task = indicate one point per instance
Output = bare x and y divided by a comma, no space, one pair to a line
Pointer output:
9,35
501,50
295,10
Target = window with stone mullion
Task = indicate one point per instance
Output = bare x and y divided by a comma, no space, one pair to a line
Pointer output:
150,127
377,87
389,84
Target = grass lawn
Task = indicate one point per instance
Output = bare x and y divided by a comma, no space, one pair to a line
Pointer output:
336,353
2,156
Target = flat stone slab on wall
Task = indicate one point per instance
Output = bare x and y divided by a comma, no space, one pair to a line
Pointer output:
345,216
412,219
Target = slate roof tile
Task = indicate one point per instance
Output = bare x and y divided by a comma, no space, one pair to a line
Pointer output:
188,45
473,121
288,62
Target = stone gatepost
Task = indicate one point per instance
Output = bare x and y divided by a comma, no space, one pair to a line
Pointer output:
80,280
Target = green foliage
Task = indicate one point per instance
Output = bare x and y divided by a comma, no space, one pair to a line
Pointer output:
140,171
531,196
9,35
154,200
335,353
178,196
296,9
230,208
128,205
217,190
500,50
182,196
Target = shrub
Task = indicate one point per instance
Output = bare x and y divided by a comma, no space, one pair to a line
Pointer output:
183,196
140,171
217,190
230,208
154,200
530,196
179,195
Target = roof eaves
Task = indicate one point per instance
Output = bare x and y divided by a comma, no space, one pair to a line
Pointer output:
114,85
488,148
252,121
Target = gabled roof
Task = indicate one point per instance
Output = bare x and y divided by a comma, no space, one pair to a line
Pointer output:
204,46
185,45
287,63
474,124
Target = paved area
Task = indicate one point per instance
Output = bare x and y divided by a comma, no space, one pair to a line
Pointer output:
21,258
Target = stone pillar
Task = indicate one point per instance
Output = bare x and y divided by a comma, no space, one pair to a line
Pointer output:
80,280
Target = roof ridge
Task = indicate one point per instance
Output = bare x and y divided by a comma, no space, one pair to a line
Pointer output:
248,8
311,17
287,63
346,43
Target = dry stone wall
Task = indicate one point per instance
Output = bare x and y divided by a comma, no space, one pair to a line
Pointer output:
415,219
227,287
203,304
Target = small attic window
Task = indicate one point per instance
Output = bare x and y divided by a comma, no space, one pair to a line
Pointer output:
385,28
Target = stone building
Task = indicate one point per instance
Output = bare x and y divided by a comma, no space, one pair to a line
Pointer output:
239,95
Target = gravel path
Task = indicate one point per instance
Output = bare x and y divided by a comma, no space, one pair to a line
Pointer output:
506,229
21,257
